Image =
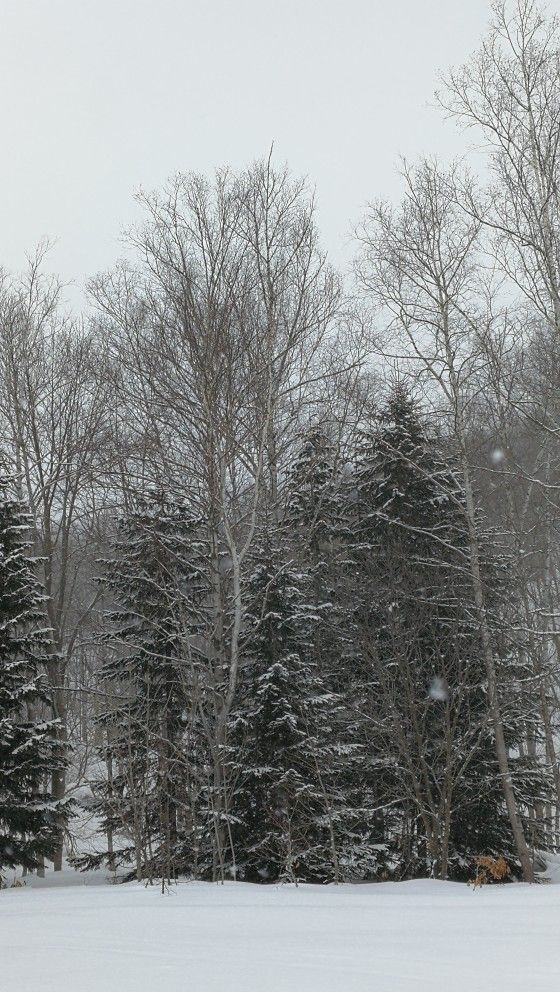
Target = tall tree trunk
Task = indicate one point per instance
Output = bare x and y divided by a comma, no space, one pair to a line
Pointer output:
493,696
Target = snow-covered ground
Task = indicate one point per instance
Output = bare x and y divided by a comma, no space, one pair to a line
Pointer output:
91,937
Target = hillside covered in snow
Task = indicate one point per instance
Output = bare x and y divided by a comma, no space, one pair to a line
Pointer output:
87,936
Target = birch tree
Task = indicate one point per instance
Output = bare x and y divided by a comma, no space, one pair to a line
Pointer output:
52,413
217,332
420,264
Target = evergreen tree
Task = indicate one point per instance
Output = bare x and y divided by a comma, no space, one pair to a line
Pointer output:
284,812
311,530
423,675
29,751
313,510
316,531
151,796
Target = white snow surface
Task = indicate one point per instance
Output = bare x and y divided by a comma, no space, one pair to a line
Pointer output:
81,936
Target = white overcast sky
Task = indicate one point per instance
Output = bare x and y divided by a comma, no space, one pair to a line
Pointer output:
102,96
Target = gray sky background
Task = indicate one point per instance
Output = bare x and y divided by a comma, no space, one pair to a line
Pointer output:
102,96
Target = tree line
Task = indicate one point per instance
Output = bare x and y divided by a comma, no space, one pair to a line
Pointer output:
279,556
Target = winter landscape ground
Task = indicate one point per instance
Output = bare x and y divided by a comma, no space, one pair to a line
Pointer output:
82,935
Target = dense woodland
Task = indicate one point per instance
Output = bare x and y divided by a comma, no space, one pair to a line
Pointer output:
280,550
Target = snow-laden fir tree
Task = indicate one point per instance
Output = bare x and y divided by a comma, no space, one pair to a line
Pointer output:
284,815
424,677
150,798
313,505
29,751
316,533
311,529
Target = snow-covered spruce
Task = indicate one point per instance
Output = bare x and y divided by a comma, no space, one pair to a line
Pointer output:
317,535
29,749
286,807
149,798
423,681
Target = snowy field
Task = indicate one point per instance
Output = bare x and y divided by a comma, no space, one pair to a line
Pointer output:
91,937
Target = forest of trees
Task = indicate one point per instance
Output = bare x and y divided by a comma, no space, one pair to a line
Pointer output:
280,550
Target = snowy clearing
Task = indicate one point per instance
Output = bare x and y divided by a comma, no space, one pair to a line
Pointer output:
388,937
